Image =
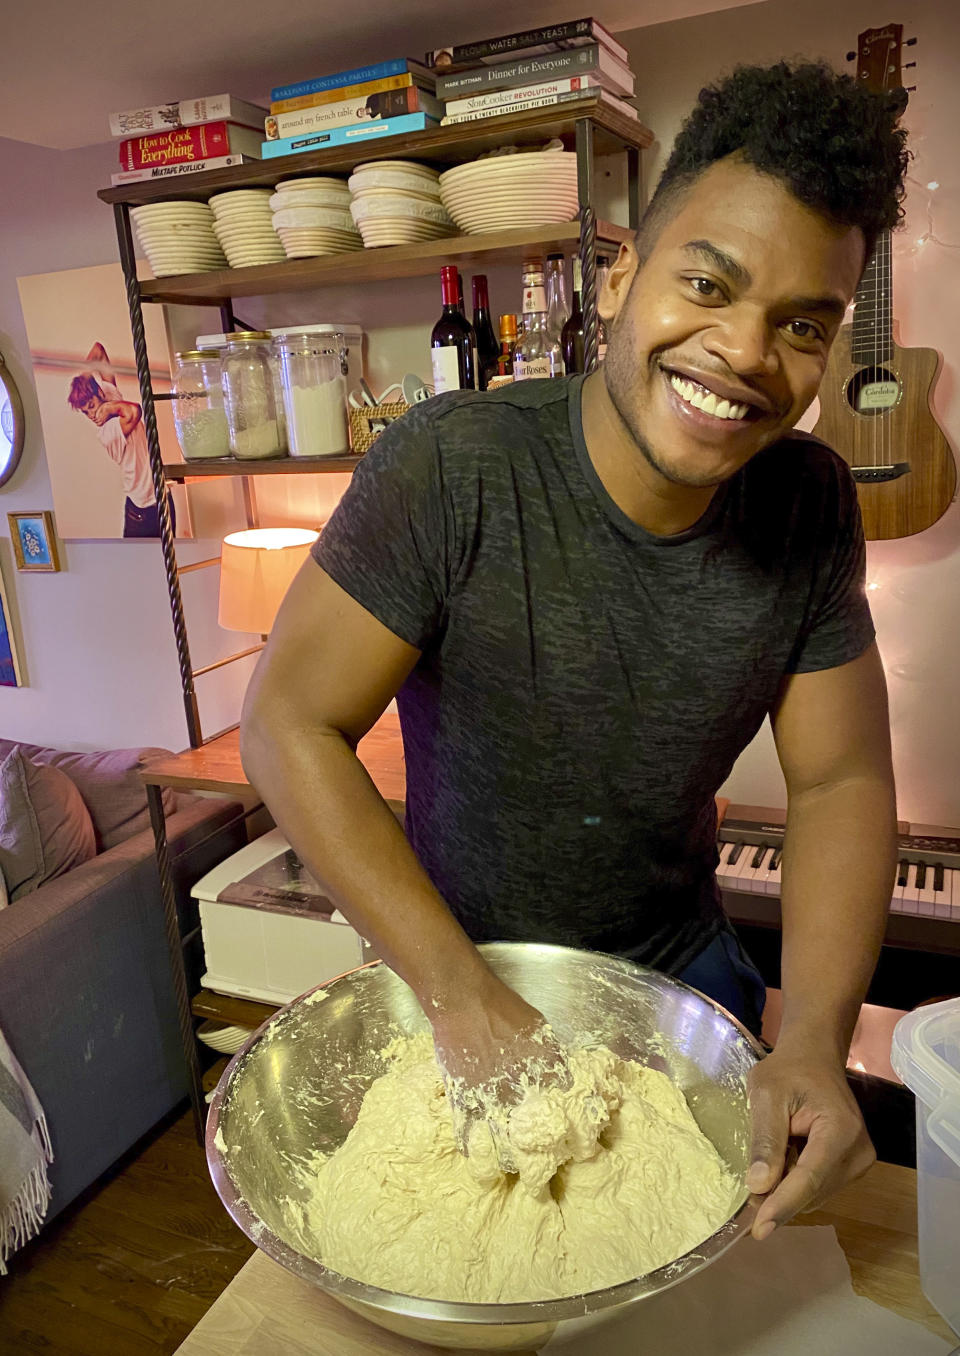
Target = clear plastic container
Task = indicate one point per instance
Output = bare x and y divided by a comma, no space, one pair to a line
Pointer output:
218,342
926,1055
249,384
313,377
198,412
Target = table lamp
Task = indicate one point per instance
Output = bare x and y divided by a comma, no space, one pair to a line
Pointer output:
256,569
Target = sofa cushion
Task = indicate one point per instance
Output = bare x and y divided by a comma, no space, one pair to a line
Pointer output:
45,828
109,783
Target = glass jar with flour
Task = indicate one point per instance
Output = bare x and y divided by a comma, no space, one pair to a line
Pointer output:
313,375
198,413
250,396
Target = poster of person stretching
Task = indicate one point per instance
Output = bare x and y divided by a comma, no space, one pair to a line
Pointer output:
119,425
96,448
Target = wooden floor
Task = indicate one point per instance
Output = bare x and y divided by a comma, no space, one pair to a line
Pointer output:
132,1266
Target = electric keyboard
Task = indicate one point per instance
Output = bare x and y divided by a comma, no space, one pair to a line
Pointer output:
924,907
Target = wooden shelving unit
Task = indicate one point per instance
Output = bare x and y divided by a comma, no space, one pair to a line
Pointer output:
219,1007
372,266
277,466
586,126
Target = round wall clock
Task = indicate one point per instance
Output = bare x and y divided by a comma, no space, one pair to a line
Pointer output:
11,424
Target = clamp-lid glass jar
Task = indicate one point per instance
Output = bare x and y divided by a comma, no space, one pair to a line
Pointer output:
250,395
313,368
198,413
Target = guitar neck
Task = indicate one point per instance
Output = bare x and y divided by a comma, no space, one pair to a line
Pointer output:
879,67
871,341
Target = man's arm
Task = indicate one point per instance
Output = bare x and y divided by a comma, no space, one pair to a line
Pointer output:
98,354
326,675
127,412
833,740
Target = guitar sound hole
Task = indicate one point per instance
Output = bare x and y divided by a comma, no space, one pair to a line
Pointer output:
873,390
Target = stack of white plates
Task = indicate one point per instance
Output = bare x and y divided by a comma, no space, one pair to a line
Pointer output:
312,217
243,225
535,188
178,237
226,1039
397,202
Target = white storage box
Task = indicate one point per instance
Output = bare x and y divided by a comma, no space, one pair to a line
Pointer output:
276,935
926,1055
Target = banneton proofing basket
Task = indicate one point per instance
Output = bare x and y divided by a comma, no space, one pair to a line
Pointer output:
296,1085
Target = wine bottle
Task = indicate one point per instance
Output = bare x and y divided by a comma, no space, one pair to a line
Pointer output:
488,349
508,342
453,344
535,354
557,309
571,338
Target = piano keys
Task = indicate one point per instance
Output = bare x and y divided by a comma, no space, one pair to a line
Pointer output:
745,867
925,899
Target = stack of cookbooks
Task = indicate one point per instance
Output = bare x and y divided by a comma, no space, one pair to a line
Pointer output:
387,99
557,64
170,140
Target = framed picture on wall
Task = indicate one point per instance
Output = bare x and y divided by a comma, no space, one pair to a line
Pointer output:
34,541
91,413
9,663
11,424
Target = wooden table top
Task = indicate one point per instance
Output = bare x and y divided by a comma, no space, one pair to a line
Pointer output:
216,765
266,1310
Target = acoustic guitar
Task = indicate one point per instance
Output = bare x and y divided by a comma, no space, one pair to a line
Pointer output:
875,396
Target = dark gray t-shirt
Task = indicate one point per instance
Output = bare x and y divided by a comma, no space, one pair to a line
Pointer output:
585,687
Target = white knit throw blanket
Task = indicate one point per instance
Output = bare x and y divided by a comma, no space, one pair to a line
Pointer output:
24,1154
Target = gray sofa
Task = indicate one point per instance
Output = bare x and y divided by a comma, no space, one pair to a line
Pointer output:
86,998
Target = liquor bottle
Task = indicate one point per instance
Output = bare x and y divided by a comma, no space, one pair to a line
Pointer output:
603,268
508,342
453,344
488,350
460,306
535,354
571,338
558,310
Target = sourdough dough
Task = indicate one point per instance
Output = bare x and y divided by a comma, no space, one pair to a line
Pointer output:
398,1206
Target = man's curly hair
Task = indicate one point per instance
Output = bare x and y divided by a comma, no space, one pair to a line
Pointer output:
833,141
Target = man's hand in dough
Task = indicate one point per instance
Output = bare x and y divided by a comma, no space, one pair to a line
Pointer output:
804,1097
490,1053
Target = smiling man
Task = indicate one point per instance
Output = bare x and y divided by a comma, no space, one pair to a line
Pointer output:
587,595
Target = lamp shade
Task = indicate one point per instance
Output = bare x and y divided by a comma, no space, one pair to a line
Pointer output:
256,569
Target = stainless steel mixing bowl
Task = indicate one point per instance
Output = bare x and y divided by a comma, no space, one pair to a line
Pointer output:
296,1086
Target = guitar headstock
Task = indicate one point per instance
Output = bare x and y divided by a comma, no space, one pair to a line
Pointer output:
879,58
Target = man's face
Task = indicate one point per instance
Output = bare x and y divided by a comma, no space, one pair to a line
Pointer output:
719,339
91,406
